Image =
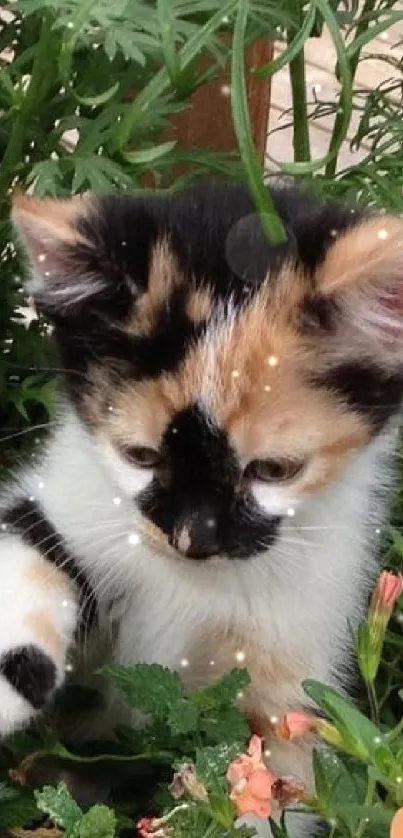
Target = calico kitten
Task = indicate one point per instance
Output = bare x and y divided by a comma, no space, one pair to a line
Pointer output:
209,497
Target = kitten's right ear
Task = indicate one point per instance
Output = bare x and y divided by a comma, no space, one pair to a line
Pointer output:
58,250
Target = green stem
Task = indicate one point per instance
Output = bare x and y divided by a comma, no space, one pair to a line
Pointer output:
369,797
335,143
60,752
302,150
270,221
159,756
396,731
373,702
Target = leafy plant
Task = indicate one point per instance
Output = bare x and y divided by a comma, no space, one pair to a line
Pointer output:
358,786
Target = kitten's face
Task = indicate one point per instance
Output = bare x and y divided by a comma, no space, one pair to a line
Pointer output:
226,382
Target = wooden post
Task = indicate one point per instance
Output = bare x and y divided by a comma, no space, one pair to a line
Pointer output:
207,121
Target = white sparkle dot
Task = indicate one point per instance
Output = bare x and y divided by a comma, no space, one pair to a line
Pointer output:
225,19
41,257
47,273
267,753
333,233
291,512
70,25
41,484
69,667
377,740
210,523
110,408
235,373
316,88
31,498
212,663
225,89
240,656
4,527
267,388
134,539
117,501
272,360
174,430
384,36
273,720
399,780
184,663
123,243
378,531
383,234
65,603
240,695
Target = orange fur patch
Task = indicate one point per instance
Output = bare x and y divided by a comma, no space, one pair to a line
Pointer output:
164,277
47,575
46,633
199,306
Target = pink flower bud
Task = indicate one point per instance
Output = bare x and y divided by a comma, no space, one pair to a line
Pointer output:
387,592
295,724
396,827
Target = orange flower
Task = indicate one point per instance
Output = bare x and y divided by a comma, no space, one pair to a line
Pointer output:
387,592
295,725
396,827
251,782
153,828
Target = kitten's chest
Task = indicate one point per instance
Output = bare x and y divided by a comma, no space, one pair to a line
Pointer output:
205,625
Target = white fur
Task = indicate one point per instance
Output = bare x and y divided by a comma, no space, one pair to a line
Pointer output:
300,595
21,597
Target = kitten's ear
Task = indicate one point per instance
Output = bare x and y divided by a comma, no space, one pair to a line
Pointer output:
363,274
58,250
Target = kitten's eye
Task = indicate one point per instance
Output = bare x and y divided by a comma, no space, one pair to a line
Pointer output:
273,471
142,457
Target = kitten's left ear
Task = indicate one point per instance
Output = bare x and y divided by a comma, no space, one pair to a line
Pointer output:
363,274
50,232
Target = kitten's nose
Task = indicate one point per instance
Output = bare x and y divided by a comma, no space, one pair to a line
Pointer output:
198,535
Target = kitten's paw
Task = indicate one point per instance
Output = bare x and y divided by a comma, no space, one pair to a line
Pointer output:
38,618
28,677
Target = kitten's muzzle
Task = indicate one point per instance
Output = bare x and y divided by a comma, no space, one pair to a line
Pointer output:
197,535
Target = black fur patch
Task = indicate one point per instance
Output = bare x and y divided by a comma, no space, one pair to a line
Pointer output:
368,389
201,486
216,238
31,673
28,520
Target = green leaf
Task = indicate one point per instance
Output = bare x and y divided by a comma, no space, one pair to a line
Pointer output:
226,691
98,822
226,725
336,783
183,717
151,688
293,49
100,98
148,155
361,737
212,763
60,807
17,807
222,810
